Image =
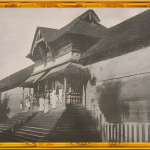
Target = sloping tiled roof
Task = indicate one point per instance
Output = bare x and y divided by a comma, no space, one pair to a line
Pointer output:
131,29
47,33
76,26
89,29
16,79
69,69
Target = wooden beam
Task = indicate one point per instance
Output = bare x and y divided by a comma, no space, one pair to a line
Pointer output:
40,40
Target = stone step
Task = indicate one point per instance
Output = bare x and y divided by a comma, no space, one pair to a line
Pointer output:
40,126
35,130
33,135
20,137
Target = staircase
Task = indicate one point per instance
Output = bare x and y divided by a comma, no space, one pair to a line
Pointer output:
36,129
75,125
8,127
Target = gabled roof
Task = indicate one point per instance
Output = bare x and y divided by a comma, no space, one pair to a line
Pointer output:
77,26
131,29
46,33
16,79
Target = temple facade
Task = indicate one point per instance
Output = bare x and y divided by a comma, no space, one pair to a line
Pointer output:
83,62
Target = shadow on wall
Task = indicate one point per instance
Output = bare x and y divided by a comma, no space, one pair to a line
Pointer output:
4,110
113,109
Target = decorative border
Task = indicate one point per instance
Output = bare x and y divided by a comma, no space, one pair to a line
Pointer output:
74,145
80,145
74,4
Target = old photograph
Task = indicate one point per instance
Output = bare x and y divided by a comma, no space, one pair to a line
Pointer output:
74,75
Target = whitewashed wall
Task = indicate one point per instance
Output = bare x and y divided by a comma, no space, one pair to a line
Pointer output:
133,72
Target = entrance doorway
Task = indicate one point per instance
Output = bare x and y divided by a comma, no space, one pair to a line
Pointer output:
75,91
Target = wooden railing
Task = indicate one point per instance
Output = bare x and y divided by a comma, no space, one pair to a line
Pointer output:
120,132
126,132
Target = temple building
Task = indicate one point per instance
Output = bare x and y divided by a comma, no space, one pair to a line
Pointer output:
80,61
56,55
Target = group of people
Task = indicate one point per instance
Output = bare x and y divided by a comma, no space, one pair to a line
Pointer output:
51,99
30,101
44,103
54,100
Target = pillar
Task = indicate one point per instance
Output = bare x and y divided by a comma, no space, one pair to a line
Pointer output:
45,86
38,88
29,90
23,93
83,97
65,88
0,95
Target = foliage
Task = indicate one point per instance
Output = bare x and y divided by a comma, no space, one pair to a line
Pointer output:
109,103
93,81
87,74
4,110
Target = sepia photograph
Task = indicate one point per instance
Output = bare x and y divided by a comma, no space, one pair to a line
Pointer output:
75,75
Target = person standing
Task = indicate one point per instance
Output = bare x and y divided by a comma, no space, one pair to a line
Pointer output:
60,95
46,102
31,101
29,104
41,103
21,106
27,99
54,99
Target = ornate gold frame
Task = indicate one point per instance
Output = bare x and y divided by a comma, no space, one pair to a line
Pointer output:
74,4
80,145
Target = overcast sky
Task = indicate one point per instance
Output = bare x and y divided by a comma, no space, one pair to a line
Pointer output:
18,25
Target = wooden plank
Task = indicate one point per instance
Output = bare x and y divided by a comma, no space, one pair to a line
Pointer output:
123,132
109,132
135,132
113,132
119,132
130,132
125,128
116,133
146,132
140,132
143,133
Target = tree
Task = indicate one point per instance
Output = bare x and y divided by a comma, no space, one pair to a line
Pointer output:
4,110
109,102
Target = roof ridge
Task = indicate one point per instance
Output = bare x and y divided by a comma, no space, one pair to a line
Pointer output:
47,28
78,19
129,19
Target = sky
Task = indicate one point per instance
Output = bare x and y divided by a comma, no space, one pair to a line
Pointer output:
18,25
